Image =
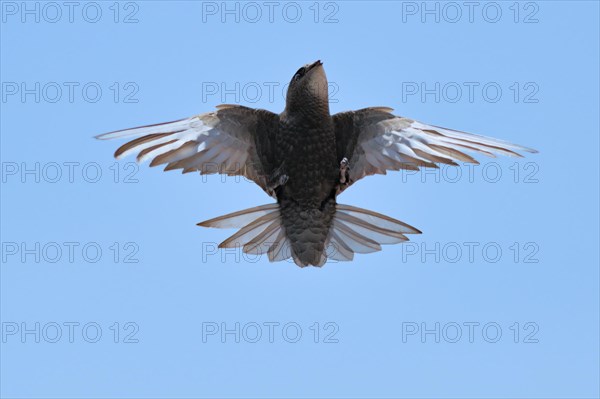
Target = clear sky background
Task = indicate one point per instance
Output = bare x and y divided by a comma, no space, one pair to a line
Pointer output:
503,280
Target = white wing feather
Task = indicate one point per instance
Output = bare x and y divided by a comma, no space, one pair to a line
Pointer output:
387,142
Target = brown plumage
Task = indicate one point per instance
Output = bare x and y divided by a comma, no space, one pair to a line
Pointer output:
304,158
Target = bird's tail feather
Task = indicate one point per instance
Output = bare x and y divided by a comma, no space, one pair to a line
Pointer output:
260,231
354,230
357,230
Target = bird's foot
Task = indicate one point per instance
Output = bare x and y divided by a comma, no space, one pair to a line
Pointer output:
344,167
344,180
277,179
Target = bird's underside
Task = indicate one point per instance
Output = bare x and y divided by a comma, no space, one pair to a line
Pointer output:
237,140
304,158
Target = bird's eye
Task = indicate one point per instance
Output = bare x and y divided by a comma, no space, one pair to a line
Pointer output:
300,73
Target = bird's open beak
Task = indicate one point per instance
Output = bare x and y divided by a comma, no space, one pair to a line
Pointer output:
314,64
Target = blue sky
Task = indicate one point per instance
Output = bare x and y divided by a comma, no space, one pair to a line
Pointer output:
110,290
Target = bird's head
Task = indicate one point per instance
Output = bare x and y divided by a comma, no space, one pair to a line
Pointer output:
308,89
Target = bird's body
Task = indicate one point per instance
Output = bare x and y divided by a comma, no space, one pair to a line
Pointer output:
305,157
307,200
309,160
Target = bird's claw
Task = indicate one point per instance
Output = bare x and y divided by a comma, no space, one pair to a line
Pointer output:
344,166
283,179
275,181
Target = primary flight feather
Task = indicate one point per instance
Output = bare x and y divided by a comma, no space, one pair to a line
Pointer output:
305,157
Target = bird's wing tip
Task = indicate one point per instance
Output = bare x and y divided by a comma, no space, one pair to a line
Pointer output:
112,135
100,136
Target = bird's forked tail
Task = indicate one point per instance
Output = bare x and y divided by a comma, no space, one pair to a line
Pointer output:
353,230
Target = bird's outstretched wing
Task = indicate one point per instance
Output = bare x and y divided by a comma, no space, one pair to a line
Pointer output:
374,141
233,140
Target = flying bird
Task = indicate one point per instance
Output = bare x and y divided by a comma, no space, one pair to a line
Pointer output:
304,158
